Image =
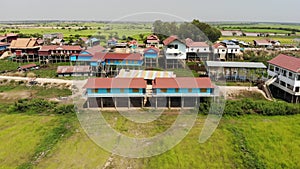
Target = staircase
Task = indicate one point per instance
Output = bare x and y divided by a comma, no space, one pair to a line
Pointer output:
149,93
266,88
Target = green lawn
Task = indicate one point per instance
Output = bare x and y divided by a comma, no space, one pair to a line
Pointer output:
239,142
20,135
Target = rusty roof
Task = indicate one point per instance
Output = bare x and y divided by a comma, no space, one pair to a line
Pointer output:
121,83
73,69
28,66
24,43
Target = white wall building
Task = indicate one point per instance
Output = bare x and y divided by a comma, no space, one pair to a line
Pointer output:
286,70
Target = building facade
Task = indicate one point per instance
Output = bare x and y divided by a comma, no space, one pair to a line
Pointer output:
285,72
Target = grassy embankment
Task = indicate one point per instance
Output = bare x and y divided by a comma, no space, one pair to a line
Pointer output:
52,138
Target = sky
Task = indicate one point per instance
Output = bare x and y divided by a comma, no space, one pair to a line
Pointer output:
150,10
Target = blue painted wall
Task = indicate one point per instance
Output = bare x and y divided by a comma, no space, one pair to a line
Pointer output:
150,55
84,58
115,91
124,62
182,91
2,48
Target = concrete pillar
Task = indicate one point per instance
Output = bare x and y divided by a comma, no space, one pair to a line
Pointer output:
182,102
101,102
169,102
142,101
115,99
88,103
128,102
156,102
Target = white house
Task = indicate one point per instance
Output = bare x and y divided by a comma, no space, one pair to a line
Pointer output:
197,50
285,72
175,52
220,50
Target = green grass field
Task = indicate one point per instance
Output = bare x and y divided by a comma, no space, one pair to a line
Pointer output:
239,142
284,40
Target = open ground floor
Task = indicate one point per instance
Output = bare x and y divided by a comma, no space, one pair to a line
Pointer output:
142,102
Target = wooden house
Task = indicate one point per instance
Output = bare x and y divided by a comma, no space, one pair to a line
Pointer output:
25,50
58,53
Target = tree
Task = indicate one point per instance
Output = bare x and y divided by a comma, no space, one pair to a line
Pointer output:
212,33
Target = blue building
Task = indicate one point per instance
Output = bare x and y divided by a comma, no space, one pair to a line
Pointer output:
151,55
134,92
115,92
92,42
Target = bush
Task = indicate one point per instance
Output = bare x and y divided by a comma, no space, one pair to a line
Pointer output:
64,109
263,107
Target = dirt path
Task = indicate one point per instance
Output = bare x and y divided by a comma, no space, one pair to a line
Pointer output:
236,90
39,80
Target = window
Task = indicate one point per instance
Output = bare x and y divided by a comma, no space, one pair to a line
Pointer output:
190,90
223,50
163,90
176,90
135,90
284,72
203,90
271,67
94,90
176,46
282,83
108,90
276,69
298,77
122,90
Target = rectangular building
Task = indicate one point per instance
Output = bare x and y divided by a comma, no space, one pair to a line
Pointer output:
285,72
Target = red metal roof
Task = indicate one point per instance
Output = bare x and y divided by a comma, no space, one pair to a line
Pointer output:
122,83
170,39
218,45
123,56
152,37
287,62
198,44
151,48
57,47
182,82
95,49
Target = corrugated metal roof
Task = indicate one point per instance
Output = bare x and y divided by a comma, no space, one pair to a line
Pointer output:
146,74
182,82
110,83
236,64
287,62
